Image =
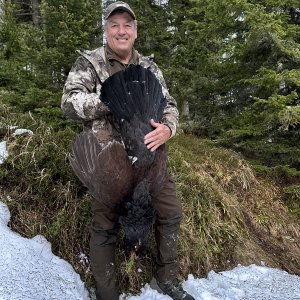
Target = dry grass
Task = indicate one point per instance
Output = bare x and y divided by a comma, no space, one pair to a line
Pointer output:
231,216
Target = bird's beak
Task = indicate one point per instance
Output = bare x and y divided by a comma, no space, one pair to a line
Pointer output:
133,255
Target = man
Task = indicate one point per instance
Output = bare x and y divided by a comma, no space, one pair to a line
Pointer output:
81,101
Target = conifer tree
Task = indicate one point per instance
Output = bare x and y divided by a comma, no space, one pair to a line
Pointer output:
36,58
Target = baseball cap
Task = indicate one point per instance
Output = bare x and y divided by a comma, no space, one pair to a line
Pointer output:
118,5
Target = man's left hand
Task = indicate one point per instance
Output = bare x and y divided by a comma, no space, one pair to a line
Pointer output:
158,136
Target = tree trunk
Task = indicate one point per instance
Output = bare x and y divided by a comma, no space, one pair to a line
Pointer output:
186,110
35,12
1,8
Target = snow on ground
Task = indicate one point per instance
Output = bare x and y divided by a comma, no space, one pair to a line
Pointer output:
3,152
242,283
251,282
30,271
3,148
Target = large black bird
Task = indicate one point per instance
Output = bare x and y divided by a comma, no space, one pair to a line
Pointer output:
126,175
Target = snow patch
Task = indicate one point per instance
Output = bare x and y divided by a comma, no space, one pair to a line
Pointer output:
30,271
3,152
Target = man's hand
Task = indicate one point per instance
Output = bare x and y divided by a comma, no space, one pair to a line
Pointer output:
158,136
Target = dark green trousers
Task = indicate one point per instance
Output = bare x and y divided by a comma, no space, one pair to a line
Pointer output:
104,234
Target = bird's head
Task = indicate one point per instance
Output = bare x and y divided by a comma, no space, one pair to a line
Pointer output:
136,218
136,238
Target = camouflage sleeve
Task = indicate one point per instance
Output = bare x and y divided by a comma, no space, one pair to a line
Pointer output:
170,114
80,100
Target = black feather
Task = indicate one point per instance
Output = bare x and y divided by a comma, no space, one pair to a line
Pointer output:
137,217
135,96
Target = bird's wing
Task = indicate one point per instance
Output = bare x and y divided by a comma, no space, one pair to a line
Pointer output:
107,173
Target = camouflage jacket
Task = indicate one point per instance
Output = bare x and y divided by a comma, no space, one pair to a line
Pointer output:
81,95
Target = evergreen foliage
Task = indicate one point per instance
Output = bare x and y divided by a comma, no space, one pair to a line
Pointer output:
39,57
245,85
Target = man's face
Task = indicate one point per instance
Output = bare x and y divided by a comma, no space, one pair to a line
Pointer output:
121,33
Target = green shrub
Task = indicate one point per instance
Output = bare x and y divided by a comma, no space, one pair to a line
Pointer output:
291,196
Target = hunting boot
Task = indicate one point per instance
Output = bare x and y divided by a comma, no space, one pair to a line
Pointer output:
175,291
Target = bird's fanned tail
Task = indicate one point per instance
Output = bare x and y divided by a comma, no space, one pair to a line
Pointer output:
135,96
134,90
